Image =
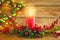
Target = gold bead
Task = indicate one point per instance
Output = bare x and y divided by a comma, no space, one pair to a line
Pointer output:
8,2
0,12
3,21
13,0
15,20
2,0
24,4
14,6
18,8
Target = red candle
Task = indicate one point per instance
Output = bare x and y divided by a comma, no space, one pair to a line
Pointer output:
30,16
30,22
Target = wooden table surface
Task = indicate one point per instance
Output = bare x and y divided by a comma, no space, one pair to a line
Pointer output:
14,37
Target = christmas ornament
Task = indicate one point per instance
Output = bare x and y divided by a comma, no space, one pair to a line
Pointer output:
39,29
6,30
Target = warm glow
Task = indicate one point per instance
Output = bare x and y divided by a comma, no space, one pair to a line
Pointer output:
30,11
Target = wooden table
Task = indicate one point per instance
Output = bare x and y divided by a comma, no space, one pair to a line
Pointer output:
14,37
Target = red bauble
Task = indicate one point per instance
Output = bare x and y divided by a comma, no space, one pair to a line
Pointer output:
21,28
8,20
30,28
39,28
34,28
15,27
6,30
12,18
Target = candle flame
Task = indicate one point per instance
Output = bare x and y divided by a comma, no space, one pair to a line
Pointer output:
30,11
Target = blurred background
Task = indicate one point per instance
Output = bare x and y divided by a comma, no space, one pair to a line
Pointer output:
47,11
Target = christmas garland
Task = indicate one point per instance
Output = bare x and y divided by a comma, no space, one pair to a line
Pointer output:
8,24
36,31
13,4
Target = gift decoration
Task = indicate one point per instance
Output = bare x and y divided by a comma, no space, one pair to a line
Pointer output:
8,24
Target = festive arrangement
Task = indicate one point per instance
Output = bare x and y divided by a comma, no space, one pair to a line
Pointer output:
8,24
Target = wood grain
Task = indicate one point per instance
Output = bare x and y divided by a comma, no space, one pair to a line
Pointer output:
42,2
15,37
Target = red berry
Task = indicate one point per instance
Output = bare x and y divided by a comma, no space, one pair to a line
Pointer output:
36,25
15,27
46,27
7,28
52,25
56,21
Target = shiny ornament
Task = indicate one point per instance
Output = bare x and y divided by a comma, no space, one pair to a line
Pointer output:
7,20
6,30
12,18
21,28
39,29
0,11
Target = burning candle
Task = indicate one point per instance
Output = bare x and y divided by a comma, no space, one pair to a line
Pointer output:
30,16
30,22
